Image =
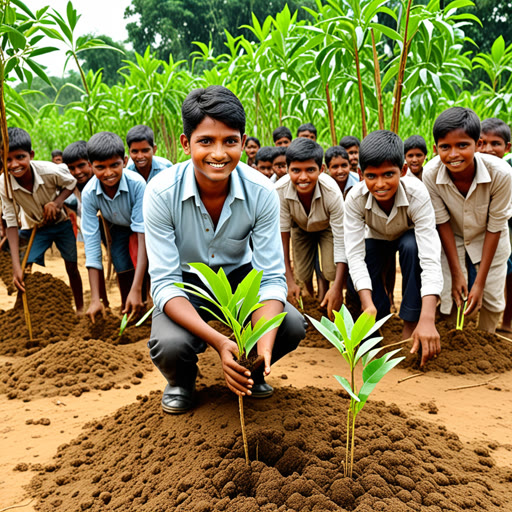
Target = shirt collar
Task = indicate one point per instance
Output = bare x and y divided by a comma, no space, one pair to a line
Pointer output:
400,197
481,173
291,191
36,178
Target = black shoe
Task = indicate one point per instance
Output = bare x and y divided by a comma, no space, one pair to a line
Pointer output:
176,400
262,390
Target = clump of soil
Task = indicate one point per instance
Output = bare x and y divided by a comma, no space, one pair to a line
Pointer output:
106,328
195,462
6,270
462,352
72,367
51,311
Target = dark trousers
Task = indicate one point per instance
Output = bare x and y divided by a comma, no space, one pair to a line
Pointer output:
174,350
378,253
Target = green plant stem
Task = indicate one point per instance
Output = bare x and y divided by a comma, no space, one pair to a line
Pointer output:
345,473
242,423
361,94
352,435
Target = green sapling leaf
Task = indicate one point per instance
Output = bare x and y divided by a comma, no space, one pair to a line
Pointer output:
366,346
261,328
212,281
345,384
328,334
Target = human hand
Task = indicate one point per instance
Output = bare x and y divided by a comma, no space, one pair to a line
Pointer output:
133,303
293,292
95,308
474,299
17,279
459,289
426,336
50,212
236,376
333,300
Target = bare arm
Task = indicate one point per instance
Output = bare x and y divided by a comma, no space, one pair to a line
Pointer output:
14,246
134,299
425,333
96,306
293,287
334,297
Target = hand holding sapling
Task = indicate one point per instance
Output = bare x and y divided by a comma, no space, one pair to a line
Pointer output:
474,302
459,287
333,300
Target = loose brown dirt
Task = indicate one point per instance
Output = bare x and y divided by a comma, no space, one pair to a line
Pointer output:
297,443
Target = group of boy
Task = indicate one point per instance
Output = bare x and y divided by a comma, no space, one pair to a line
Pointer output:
109,192
216,210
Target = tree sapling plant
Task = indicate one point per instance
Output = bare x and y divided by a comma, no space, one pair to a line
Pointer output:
235,310
348,337
461,311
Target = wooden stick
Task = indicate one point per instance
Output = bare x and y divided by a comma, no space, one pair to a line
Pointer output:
108,243
17,506
2,242
472,385
397,343
503,337
24,294
410,377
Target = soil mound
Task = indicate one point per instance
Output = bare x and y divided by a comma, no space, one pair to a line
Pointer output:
72,367
140,459
6,270
51,311
107,329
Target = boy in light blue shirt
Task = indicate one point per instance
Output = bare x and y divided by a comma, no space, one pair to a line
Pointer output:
142,148
118,195
208,210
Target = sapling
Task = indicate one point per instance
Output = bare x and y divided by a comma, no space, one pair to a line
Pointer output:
461,311
235,310
348,337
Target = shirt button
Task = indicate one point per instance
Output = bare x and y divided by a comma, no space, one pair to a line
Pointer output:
213,255
207,229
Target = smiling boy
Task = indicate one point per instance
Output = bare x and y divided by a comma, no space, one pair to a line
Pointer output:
415,149
142,148
209,209
338,167
351,144
118,195
394,214
471,194
312,218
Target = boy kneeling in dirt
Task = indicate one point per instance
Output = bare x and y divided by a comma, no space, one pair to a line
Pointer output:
208,210
40,189
118,195
395,214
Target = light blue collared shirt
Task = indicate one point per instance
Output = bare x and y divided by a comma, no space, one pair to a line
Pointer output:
179,230
157,164
125,209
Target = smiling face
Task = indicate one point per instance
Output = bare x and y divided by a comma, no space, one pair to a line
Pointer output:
215,149
457,152
81,170
142,155
339,169
304,176
109,172
18,163
492,144
415,158
251,149
382,182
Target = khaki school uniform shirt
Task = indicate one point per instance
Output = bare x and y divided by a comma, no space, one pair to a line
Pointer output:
412,210
49,181
486,206
326,211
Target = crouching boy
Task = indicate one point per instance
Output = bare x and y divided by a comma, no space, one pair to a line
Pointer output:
396,215
208,210
118,195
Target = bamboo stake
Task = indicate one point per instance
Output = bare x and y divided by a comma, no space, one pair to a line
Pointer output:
472,385
331,115
24,294
108,243
2,242
410,377
397,343
361,95
378,84
503,337
242,423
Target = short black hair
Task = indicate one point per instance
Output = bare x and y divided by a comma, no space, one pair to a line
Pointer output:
348,141
278,151
415,142
281,132
381,146
104,145
302,149
264,154
140,133
253,139
306,127
457,118
497,127
19,139
75,151
56,152
333,152
215,101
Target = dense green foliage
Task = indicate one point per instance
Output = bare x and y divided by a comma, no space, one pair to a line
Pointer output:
289,70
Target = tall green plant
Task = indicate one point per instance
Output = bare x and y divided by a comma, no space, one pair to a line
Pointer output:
235,310
348,337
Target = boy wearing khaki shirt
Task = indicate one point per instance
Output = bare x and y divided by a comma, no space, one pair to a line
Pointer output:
471,196
312,216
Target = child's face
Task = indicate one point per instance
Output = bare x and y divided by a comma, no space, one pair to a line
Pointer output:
457,151
81,170
283,141
265,168
251,148
57,159
492,144
414,159
18,162
339,169
142,154
353,157
307,134
109,172
382,182
279,166
215,149
304,176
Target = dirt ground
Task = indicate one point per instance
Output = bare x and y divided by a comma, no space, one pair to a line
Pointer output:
34,423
